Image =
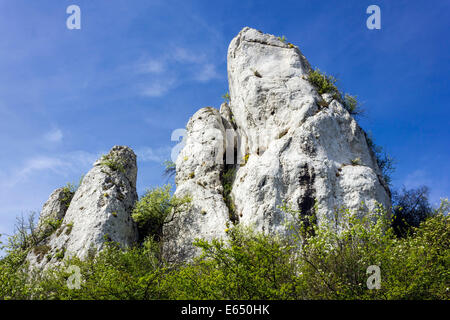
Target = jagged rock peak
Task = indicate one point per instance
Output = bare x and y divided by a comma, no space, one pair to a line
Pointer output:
99,211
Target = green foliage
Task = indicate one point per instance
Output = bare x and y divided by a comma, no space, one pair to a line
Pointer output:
334,258
327,84
245,159
248,266
60,254
226,97
69,228
115,273
355,162
384,161
323,82
411,207
282,39
352,105
326,262
68,192
53,223
155,209
113,162
170,168
227,178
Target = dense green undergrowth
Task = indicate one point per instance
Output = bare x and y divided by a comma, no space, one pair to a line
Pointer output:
312,263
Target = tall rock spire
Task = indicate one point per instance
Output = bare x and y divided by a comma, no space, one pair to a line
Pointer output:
99,211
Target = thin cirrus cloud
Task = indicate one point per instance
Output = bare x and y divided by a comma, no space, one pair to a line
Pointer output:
164,70
422,177
56,164
151,66
148,154
157,88
54,135
207,73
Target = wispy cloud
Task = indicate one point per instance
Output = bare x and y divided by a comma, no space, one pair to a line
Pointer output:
208,72
158,155
54,135
58,164
179,65
157,88
416,178
184,55
151,66
420,177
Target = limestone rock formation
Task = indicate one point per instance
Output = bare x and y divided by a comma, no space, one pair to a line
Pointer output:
283,141
54,209
199,168
99,211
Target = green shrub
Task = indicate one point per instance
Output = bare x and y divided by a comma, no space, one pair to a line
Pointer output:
329,262
245,159
323,82
384,161
355,162
282,39
227,178
69,228
170,168
156,208
226,97
68,193
327,84
352,105
112,162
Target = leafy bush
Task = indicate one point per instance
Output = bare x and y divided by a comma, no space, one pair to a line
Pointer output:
114,163
411,207
384,161
156,208
352,105
245,159
227,178
68,193
170,168
282,39
329,262
327,84
323,82
226,97
248,265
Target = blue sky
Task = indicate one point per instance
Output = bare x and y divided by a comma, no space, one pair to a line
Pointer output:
137,70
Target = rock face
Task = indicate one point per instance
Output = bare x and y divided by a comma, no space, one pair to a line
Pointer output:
284,142
99,211
54,209
199,169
